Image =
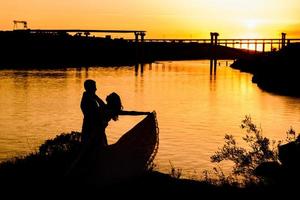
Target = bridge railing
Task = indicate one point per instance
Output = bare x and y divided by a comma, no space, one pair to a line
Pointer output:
250,44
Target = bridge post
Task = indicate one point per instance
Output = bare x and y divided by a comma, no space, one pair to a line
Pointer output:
255,45
213,56
271,45
139,45
142,34
283,38
248,45
216,38
136,41
212,35
263,47
136,35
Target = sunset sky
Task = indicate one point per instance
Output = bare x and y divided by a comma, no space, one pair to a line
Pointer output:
160,18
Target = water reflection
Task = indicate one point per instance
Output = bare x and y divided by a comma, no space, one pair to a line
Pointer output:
213,67
40,74
139,69
139,82
213,74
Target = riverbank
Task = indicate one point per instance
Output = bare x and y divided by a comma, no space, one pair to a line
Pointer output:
275,72
151,185
43,172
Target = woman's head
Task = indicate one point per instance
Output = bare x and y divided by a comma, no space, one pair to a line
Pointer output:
114,104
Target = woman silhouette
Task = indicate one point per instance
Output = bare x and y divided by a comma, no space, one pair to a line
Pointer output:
113,109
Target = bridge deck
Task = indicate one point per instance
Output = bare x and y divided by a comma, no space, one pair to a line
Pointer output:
83,30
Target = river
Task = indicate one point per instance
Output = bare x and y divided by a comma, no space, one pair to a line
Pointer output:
195,109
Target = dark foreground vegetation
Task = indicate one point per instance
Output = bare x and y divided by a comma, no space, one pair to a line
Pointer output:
24,49
276,72
265,168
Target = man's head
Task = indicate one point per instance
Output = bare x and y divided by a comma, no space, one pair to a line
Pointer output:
90,86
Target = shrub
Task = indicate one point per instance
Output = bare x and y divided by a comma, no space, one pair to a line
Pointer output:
52,160
245,161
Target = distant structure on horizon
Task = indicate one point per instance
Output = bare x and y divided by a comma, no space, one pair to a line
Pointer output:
24,23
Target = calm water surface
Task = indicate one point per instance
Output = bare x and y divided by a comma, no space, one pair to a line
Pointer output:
194,109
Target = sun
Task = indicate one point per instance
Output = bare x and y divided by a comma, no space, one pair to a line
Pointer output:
251,24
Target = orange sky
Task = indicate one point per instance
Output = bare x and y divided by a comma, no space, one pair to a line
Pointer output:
160,18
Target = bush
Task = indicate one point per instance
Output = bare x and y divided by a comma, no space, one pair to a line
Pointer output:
52,160
245,161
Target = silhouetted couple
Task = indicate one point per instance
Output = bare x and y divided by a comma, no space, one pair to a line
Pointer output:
97,114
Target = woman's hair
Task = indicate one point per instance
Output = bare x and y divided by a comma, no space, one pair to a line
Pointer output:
114,104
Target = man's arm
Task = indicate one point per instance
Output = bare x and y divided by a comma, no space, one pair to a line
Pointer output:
100,101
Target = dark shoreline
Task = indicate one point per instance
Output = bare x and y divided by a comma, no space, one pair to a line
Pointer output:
43,172
23,48
275,72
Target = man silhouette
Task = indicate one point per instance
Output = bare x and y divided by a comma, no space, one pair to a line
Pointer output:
93,135
92,106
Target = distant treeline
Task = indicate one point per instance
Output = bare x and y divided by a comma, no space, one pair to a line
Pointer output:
21,48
